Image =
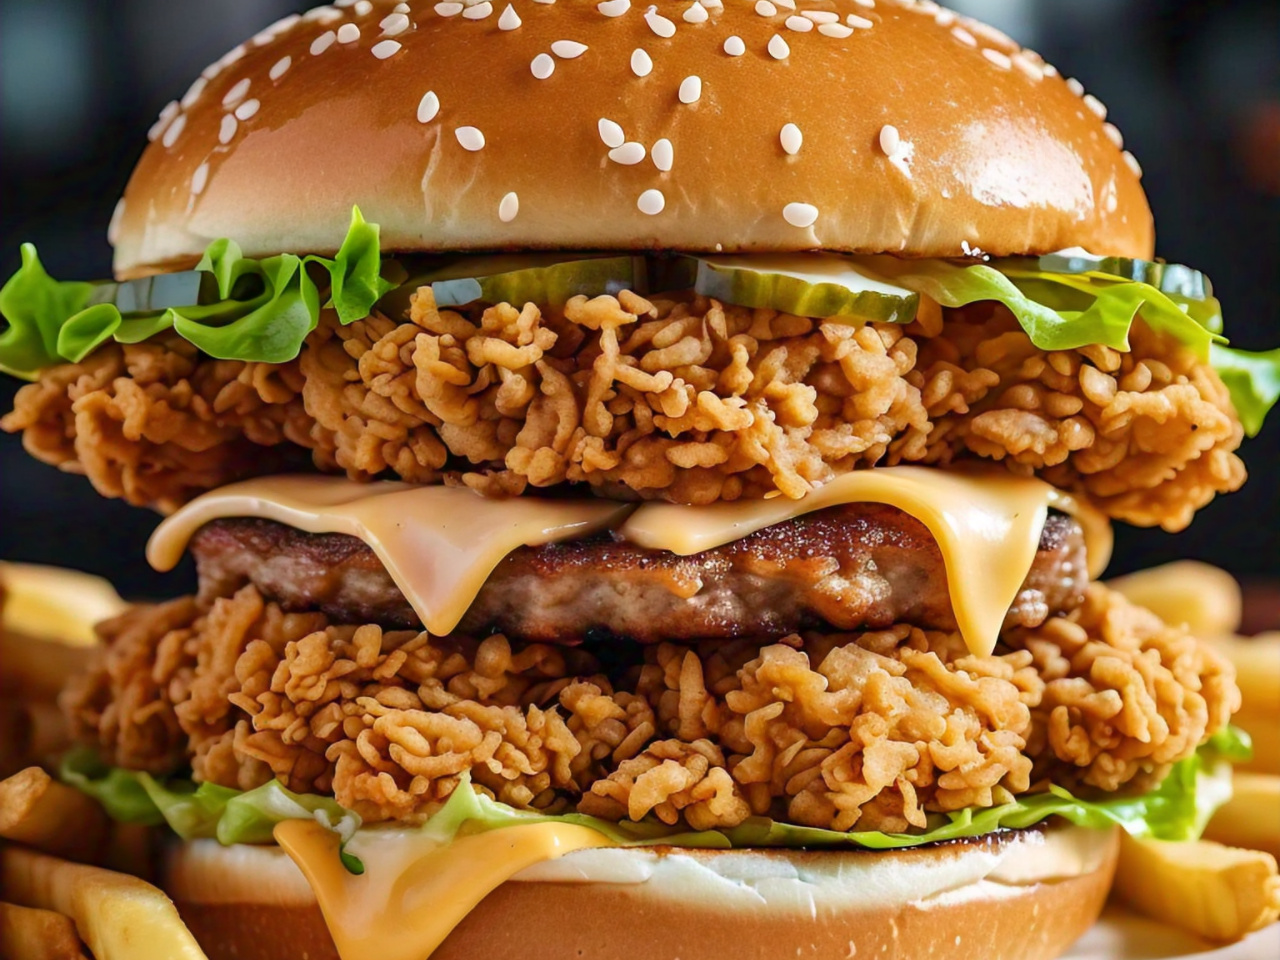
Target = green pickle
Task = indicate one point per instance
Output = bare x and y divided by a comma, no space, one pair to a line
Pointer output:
807,285
544,279
190,288
1170,278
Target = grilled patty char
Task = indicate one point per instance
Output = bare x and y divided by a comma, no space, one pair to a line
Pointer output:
858,566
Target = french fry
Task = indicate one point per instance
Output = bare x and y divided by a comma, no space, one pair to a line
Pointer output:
117,916
1257,663
1206,599
27,934
36,669
56,604
1220,893
1251,818
15,737
40,812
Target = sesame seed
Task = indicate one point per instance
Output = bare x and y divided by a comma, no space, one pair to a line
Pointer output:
696,13
478,12
964,36
322,15
1001,60
323,42
786,4
248,109
508,208
1132,161
822,16
778,48
800,215
861,23
280,68
1075,86
469,138
1096,106
890,139
663,154
448,9
394,24
200,179
990,34
428,107
734,46
766,9
945,18
232,56
927,7
568,49
614,8
174,130
364,8
641,63
791,138
1113,134
117,217
236,93
542,66
869,4
348,33
690,89
344,3
510,20
194,91
799,24
385,48
168,113
227,131
611,133
659,24
1028,66
651,202
629,154
837,30
1049,70
401,8
712,4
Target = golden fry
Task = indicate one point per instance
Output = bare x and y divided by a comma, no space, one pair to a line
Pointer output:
1207,600
1251,819
36,669
118,917
56,604
40,812
27,934
1257,662
1220,893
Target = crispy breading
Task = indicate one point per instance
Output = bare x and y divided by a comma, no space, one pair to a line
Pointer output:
678,397
850,731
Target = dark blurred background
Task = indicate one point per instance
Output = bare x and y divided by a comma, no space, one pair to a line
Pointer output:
1195,86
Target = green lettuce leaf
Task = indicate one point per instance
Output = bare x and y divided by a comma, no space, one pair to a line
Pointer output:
264,309
1254,382
1178,809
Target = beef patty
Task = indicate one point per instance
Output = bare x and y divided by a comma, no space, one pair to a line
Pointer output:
859,566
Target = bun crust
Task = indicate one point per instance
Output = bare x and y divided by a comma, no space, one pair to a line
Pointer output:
282,137
246,917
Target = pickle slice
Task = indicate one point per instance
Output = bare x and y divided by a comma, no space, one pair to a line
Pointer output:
190,288
807,285
545,279
1171,278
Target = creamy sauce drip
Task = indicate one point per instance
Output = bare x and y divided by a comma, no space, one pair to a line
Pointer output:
415,890
439,544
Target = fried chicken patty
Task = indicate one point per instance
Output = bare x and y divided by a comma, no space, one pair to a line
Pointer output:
852,567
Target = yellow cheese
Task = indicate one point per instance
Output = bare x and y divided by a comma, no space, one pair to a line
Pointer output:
987,524
415,890
440,544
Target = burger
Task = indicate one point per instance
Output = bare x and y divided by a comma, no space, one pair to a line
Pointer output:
648,469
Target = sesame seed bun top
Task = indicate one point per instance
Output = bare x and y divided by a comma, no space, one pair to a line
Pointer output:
848,125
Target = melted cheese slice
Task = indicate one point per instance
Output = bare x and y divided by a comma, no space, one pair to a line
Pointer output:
439,544
987,524
413,894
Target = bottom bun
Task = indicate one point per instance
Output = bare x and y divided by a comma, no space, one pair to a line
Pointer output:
1016,896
